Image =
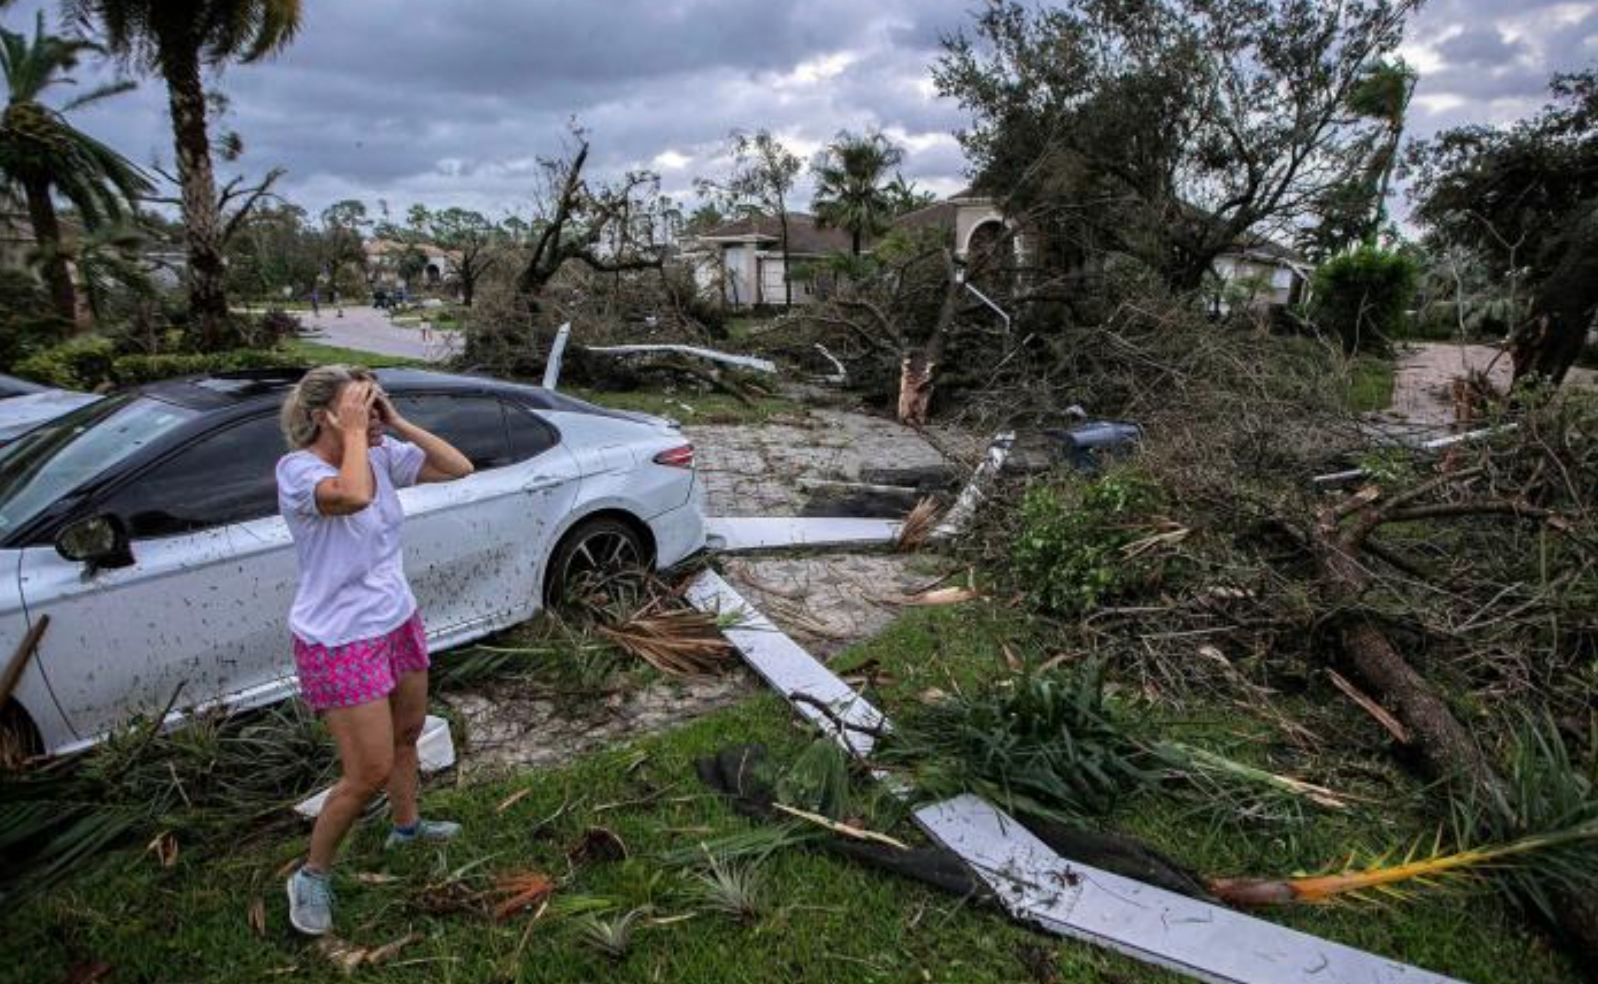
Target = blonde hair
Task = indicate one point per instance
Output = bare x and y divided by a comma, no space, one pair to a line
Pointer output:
317,390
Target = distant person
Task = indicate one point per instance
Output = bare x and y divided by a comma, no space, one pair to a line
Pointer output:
316,300
379,298
359,645
338,305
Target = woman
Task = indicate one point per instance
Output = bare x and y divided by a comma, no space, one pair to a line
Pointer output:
359,645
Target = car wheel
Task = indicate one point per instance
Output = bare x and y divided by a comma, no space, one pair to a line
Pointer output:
594,550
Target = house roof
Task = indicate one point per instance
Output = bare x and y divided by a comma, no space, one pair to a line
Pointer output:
938,215
804,234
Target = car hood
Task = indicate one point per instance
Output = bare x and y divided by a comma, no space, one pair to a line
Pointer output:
20,414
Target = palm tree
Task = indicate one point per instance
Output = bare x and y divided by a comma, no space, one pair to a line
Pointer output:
176,39
851,185
43,155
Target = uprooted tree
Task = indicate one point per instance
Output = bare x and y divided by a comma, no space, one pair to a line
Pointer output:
612,228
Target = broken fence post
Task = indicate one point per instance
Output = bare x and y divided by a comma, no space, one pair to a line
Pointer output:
557,352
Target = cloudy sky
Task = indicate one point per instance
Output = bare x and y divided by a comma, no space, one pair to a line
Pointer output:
453,101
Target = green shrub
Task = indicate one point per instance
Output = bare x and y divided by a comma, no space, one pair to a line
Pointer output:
1362,296
28,324
78,363
132,370
91,361
1069,553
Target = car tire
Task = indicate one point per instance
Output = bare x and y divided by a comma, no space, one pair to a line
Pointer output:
601,546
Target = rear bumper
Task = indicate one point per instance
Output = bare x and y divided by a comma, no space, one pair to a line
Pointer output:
679,533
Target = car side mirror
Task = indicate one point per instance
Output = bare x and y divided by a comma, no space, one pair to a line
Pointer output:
99,541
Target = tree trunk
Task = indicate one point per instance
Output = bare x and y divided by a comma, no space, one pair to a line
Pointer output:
208,309
854,238
47,235
1446,746
787,266
1562,310
468,287
917,373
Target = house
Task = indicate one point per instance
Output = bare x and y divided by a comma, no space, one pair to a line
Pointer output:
741,262
1265,273
385,257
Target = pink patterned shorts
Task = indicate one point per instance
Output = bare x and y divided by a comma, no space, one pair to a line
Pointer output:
362,671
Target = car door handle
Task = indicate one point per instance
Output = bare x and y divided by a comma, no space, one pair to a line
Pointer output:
540,482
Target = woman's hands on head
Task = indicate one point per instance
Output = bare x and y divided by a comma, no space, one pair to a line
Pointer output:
351,414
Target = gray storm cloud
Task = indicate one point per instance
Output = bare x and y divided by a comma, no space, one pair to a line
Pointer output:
452,103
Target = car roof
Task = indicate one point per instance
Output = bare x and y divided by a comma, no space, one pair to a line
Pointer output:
222,390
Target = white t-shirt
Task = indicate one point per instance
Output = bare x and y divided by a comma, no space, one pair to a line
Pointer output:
352,569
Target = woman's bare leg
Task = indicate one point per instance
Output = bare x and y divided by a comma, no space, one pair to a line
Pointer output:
408,708
365,737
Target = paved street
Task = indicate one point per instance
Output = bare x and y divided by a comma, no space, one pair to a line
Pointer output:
369,330
1423,389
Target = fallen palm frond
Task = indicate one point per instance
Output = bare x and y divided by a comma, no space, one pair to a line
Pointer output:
737,890
1211,768
520,891
1361,876
676,640
1043,743
210,777
919,525
610,937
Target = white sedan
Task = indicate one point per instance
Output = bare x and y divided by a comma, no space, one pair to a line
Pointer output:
145,527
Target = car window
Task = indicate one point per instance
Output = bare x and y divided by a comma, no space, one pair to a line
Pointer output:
228,476
530,435
474,424
58,457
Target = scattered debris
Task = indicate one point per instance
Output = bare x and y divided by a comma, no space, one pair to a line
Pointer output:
732,534
521,891
256,916
598,844
739,361
1034,883
165,848
919,526
1392,725
672,639
557,352
349,958
976,490
610,937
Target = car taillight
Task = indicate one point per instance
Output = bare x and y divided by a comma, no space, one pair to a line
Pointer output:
682,457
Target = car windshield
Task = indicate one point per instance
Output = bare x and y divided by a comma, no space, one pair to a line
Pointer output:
53,460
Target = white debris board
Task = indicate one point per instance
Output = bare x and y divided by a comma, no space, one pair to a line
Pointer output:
730,534
786,666
1037,886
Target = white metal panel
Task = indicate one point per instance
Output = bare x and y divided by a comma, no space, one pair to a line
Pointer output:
730,534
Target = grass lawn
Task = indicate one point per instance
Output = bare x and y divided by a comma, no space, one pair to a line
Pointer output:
823,919
1370,386
316,352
